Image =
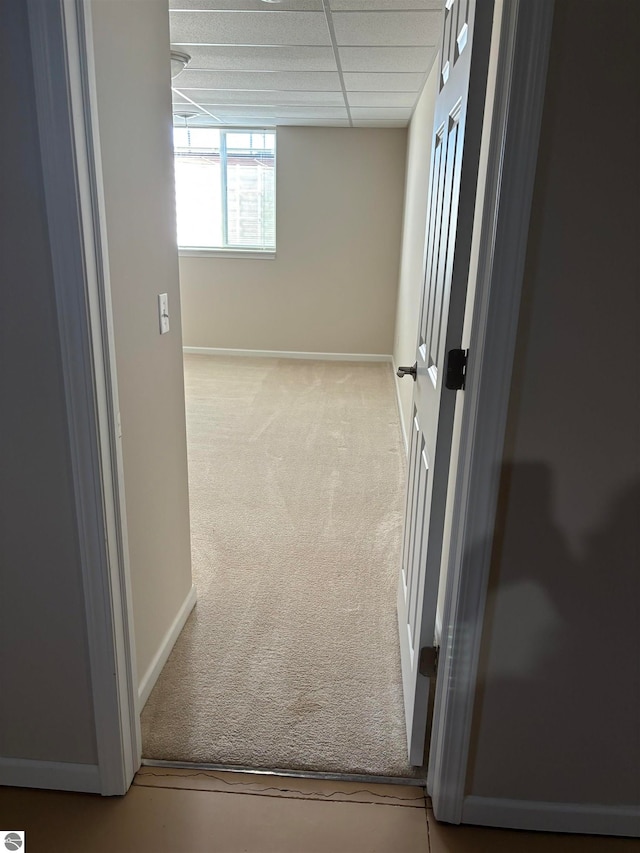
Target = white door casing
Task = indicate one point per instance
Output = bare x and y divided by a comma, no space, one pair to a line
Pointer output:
62,59
451,204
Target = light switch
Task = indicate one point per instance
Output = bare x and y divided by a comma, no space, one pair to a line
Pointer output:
163,310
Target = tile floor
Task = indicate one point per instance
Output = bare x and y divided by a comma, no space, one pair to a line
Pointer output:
178,811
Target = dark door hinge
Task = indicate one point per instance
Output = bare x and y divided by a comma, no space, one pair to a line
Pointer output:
428,661
456,369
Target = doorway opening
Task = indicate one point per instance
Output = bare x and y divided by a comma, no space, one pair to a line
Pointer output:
300,654
290,658
297,473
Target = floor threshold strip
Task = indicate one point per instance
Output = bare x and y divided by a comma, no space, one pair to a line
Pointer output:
417,781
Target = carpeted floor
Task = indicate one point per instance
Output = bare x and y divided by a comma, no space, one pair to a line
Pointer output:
290,658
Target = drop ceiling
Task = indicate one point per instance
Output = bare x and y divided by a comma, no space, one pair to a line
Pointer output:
344,63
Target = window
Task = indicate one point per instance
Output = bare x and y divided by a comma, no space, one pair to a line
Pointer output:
225,188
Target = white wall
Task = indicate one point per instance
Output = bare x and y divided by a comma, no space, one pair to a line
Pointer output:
332,286
556,716
46,711
413,237
134,104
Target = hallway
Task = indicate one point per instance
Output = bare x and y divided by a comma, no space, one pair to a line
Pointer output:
224,813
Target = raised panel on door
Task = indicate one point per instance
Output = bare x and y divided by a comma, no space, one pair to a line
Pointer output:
454,167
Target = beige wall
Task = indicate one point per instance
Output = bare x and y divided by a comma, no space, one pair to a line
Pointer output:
413,237
133,81
556,717
46,711
332,286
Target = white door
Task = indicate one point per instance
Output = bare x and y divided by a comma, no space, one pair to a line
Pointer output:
454,168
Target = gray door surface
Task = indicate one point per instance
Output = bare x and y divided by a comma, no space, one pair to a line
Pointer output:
454,169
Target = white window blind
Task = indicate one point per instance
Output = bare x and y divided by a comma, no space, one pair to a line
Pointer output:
225,188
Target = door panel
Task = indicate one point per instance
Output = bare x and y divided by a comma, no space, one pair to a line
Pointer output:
454,168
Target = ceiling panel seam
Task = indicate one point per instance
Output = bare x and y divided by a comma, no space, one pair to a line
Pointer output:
208,69
334,44
192,11
187,98
286,44
306,91
382,90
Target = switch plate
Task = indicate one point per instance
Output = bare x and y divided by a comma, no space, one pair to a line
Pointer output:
163,311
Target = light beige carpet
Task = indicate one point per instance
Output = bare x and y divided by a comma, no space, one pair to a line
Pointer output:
290,658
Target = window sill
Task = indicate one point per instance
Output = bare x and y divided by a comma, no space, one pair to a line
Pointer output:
252,254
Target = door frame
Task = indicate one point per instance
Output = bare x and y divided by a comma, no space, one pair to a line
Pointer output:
65,102
523,53
67,117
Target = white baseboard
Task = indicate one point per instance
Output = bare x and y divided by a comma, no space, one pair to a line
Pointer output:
403,426
272,353
591,818
148,680
55,775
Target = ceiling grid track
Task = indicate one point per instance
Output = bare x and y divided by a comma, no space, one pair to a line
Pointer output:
331,63
193,103
336,53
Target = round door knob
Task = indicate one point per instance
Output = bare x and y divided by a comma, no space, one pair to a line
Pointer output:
408,371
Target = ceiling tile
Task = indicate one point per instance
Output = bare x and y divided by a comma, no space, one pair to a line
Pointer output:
188,109
387,59
382,99
310,122
315,112
182,117
245,5
260,121
373,113
321,81
383,82
387,29
385,5
215,98
254,81
199,121
266,113
278,58
381,122
285,121
258,64
185,105
247,28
